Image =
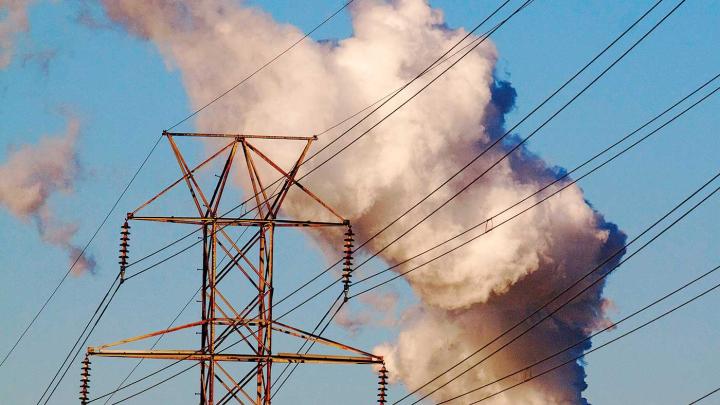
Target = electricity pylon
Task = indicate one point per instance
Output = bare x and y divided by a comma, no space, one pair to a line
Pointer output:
220,318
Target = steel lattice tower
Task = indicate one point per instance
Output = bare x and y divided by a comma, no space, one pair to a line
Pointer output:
220,318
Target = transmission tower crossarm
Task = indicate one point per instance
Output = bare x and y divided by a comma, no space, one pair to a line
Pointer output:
194,355
239,221
236,322
242,136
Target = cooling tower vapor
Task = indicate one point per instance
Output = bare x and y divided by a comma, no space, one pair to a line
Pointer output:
467,297
13,20
31,175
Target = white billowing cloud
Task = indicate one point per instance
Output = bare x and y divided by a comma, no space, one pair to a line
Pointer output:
467,297
13,20
31,175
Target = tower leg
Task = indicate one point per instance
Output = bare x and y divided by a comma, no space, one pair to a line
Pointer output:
265,291
204,328
207,369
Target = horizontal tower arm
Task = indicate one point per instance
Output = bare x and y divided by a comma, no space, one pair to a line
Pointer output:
251,358
238,221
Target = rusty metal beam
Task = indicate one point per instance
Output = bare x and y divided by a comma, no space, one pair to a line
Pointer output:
152,334
241,136
191,355
295,182
184,177
239,221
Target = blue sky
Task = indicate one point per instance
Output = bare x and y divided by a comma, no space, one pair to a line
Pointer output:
124,94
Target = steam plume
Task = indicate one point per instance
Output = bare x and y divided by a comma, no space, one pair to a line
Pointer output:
467,297
13,20
31,176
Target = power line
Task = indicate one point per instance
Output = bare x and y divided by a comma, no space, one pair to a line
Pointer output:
160,250
617,253
157,341
566,175
320,322
545,187
569,173
475,45
540,190
583,290
430,67
428,84
152,149
120,385
220,339
617,60
77,346
82,252
716,390
157,372
572,171
522,142
342,303
609,327
494,143
164,380
576,358
80,346
499,139
612,326
602,277
441,59
117,202
526,3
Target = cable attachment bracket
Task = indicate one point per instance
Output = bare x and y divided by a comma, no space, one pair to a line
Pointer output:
124,249
382,385
348,262
85,381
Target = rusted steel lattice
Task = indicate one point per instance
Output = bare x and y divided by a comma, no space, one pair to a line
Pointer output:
220,316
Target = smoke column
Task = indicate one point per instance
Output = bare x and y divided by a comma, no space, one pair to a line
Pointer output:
31,175
469,296
13,20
